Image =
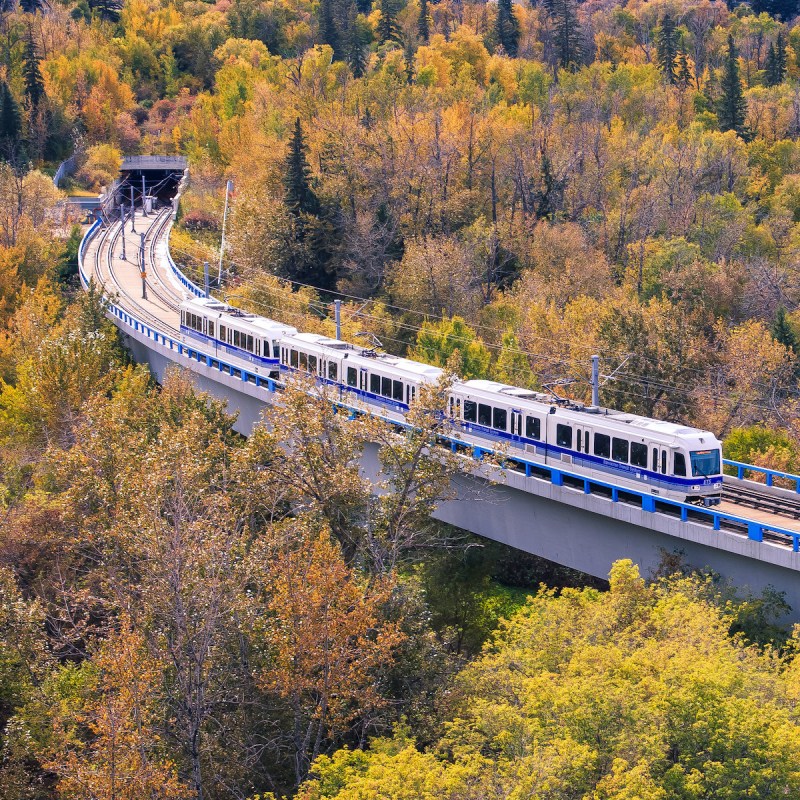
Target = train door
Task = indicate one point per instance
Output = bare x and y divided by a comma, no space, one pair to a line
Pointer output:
582,439
516,424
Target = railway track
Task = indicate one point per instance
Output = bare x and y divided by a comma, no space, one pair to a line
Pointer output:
113,285
760,501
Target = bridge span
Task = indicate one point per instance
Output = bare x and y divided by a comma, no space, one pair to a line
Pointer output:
752,539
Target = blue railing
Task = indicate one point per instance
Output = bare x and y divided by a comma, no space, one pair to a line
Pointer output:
184,281
518,463
769,474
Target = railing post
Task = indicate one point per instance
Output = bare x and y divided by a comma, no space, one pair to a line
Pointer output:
755,532
587,488
769,479
556,477
614,495
717,522
648,503
740,472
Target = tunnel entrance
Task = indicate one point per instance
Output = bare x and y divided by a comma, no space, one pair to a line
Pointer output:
150,180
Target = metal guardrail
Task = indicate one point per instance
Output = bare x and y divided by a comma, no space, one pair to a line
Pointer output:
555,475
770,474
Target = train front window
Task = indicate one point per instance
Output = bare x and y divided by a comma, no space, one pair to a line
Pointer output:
705,463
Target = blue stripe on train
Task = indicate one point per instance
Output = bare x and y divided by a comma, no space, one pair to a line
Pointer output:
230,349
591,461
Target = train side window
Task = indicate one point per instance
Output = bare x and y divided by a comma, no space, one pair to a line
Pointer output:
352,376
470,411
250,343
533,428
375,384
664,461
639,454
183,317
580,440
211,329
386,387
332,372
564,435
397,391
274,349
303,360
257,343
680,464
602,445
619,450
295,361
236,338
484,415
312,364
586,443
655,459
500,419
222,332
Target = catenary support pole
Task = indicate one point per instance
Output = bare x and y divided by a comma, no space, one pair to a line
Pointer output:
206,279
144,197
122,227
142,268
133,213
337,309
595,380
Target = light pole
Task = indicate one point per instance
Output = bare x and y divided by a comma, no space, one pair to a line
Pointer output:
144,196
122,227
133,213
142,269
228,190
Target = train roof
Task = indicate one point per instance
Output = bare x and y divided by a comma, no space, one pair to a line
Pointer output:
365,357
575,411
210,305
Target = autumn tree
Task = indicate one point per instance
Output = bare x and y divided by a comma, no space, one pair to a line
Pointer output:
439,342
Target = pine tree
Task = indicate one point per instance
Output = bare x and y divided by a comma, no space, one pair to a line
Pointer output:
423,23
567,32
783,332
352,46
300,197
731,106
34,84
32,6
684,75
388,27
667,47
507,27
10,125
327,26
776,62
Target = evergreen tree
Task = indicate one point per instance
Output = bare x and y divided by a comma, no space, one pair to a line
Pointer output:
783,331
32,6
327,26
364,6
34,84
731,106
667,48
564,14
310,251
352,45
10,125
388,27
423,23
684,75
507,27
776,62
300,197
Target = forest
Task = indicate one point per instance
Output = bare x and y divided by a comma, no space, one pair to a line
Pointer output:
502,188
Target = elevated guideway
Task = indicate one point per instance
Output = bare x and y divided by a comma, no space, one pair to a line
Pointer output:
753,538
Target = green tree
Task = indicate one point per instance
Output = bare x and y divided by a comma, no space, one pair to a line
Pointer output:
731,106
783,331
507,27
423,22
684,75
438,342
564,14
667,47
34,84
353,49
512,364
328,31
300,197
10,125
775,69
388,24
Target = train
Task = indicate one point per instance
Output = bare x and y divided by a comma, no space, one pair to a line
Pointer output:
652,456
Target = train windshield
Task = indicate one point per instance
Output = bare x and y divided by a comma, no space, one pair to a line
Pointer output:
705,463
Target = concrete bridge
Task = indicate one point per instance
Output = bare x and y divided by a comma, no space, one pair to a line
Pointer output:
548,511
